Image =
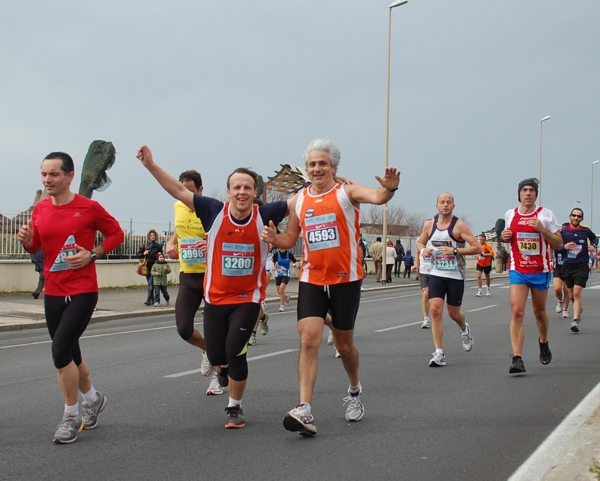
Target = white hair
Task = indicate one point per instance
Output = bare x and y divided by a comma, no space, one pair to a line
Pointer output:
326,146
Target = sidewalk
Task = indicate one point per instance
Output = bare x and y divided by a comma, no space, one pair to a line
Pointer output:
22,311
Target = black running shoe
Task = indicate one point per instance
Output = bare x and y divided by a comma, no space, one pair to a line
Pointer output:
235,417
224,376
517,365
545,354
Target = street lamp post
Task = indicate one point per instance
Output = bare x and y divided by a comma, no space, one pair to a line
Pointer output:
397,3
540,184
592,196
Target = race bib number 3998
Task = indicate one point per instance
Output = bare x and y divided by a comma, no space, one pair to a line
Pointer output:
68,249
322,232
191,255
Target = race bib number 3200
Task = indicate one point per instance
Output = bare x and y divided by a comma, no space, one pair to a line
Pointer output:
237,260
322,232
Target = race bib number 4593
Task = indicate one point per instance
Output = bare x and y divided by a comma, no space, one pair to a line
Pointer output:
322,232
237,260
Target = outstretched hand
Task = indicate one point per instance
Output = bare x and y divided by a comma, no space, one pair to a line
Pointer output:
269,233
391,178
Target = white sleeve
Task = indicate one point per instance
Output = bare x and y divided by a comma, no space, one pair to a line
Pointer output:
548,218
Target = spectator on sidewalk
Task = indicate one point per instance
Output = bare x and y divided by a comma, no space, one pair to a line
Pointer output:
399,256
38,262
390,260
376,251
160,271
148,250
409,261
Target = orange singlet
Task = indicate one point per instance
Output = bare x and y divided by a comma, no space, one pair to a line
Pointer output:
236,273
330,230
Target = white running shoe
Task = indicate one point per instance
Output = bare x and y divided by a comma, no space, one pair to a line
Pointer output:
565,314
330,338
574,326
337,354
438,360
559,307
426,323
467,339
205,368
479,293
487,292
300,420
214,388
355,409
281,308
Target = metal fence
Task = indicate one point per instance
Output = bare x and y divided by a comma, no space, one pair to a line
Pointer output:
135,235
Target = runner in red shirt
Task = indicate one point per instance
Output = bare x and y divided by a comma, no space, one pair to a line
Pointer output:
64,226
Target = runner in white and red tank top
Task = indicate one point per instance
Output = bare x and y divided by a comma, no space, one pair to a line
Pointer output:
529,229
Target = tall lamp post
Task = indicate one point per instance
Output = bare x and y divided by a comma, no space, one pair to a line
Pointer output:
592,196
540,185
397,3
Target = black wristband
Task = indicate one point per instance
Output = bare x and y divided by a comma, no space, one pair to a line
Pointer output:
393,190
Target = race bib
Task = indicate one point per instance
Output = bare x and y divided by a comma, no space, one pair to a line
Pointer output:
574,252
68,249
237,260
282,271
444,262
529,243
559,259
322,232
191,255
425,265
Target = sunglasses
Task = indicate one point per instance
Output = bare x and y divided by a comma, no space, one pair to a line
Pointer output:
577,216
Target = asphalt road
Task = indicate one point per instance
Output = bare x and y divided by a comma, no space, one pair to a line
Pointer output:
470,420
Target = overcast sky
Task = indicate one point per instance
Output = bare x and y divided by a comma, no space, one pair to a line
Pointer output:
215,85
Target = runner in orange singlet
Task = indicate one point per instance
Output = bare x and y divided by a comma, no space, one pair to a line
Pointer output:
327,215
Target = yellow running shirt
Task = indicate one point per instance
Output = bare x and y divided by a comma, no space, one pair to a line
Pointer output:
189,230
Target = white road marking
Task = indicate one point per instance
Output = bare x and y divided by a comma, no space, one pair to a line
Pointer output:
543,458
491,285
398,327
482,308
93,336
387,298
254,358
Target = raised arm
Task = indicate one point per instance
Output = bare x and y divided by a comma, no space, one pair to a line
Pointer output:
167,182
359,194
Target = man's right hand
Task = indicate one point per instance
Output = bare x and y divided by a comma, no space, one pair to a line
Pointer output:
172,251
506,235
269,233
25,234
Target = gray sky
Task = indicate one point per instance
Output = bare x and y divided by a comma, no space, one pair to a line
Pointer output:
215,85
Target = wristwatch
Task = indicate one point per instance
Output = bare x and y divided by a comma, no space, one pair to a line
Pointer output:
94,256
455,251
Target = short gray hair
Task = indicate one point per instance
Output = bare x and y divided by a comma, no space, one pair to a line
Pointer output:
326,146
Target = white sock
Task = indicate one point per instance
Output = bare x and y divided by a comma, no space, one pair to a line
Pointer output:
355,389
234,402
439,351
90,397
72,410
306,406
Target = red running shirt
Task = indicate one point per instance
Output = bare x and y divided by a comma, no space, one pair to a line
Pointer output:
57,228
